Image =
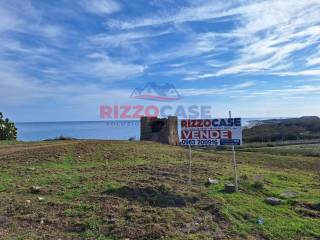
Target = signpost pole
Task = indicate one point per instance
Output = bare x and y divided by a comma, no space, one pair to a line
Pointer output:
234,164
190,163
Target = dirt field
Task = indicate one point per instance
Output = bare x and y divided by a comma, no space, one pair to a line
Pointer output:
138,190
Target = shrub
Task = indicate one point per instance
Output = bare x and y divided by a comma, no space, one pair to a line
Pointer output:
8,131
257,185
244,177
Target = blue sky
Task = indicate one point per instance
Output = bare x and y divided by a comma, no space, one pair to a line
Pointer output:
60,60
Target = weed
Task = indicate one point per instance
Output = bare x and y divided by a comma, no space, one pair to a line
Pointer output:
258,185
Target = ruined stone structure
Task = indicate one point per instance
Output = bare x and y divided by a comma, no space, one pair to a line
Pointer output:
160,130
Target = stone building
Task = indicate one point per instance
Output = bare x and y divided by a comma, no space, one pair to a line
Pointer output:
163,130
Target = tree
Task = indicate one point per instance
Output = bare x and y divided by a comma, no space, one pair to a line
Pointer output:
8,131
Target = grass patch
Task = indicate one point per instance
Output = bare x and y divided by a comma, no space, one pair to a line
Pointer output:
138,190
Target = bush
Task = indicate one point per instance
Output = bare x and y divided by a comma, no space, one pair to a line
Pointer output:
8,131
257,185
244,177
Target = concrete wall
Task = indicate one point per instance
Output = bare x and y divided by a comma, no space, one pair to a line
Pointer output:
160,130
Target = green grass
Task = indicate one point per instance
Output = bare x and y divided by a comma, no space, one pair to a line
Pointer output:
308,150
7,142
279,222
118,190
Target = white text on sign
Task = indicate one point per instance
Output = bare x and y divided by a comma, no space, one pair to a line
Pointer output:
219,131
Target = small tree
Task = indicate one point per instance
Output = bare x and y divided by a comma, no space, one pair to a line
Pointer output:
8,131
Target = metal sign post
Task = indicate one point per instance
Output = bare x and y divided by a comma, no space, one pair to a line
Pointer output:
190,164
235,172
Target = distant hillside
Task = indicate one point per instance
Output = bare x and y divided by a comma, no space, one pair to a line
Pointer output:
283,129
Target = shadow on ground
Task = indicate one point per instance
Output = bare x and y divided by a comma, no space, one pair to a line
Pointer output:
154,196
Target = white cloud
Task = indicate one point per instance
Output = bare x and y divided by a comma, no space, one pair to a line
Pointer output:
293,91
24,18
314,59
268,34
8,20
227,89
49,31
245,90
101,7
16,87
106,69
209,10
244,85
258,14
313,72
125,38
196,45
269,37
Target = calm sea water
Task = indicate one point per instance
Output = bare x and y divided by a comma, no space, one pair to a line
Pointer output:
109,130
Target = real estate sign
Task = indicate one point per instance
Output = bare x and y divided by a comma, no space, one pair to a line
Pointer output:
219,131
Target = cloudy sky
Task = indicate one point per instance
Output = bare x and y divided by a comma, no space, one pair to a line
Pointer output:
62,59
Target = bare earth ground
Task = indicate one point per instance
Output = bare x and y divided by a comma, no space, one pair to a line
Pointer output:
138,190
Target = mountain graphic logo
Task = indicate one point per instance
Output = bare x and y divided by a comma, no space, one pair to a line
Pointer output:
155,92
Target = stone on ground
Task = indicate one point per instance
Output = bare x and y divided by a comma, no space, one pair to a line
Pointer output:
35,189
213,181
273,201
288,194
229,187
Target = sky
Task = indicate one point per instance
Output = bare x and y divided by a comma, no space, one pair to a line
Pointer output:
60,60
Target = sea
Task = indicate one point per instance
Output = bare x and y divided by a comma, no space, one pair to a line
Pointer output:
101,130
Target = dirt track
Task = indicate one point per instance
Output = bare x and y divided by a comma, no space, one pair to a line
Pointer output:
11,148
